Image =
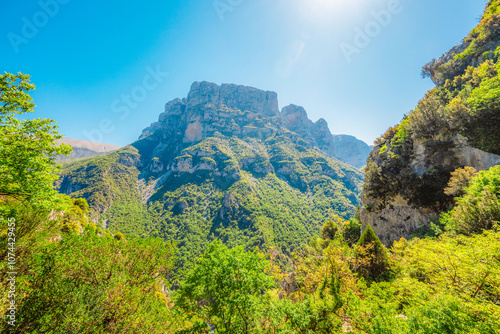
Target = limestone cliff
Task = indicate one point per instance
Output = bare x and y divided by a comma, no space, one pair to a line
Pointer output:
242,111
416,197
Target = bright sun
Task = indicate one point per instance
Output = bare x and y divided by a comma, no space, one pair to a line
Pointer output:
327,9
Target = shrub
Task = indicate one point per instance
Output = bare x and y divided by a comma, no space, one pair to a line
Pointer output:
352,231
428,118
329,230
479,208
460,179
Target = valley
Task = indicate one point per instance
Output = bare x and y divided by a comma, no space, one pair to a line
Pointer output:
233,214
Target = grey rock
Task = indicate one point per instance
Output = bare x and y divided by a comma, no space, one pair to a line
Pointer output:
242,112
400,219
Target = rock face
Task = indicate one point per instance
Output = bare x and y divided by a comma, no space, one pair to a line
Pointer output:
234,97
397,219
228,111
417,197
346,148
455,125
242,111
84,149
210,109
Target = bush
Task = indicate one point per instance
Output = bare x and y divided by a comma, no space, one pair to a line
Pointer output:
428,119
460,180
352,231
448,314
479,208
227,288
329,230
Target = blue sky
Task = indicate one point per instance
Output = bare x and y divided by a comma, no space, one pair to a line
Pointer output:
105,69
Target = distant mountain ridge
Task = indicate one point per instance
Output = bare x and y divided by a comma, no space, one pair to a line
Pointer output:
84,149
222,163
351,150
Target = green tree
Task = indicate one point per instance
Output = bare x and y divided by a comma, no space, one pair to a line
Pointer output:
329,230
320,281
72,276
352,231
227,288
96,284
479,208
374,265
27,147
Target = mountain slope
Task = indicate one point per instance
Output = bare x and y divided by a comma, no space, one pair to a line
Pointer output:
455,125
222,163
351,150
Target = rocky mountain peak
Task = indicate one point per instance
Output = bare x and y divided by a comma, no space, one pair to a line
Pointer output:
235,97
174,107
295,118
237,111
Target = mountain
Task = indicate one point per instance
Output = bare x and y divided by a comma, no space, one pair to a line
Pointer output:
345,148
84,149
455,125
223,163
351,150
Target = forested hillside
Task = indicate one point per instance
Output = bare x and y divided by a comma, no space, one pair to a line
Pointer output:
223,163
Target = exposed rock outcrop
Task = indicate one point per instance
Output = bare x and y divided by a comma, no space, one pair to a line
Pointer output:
346,148
397,219
241,111
222,163
417,197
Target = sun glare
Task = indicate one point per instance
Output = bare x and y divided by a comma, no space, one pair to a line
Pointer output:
322,10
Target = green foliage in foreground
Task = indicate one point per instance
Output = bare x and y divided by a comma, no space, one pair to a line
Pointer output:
232,285
73,277
99,283
377,268
27,147
90,282
444,285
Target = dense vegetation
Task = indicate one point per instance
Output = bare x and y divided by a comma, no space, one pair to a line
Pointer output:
59,272
444,284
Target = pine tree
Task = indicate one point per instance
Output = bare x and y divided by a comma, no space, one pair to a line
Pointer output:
373,258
